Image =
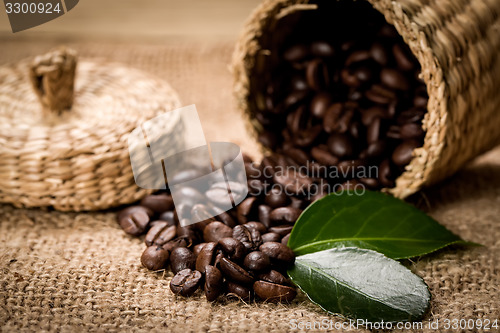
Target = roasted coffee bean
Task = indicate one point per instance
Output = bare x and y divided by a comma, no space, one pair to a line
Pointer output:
218,257
175,243
292,181
371,183
379,94
322,49
324,157
243,235
278,252
281,230
411,131
320,103
154,258
297,155
158,203
285,214
181,258
363,74
295,97
350,167
274,277
168,217
245,208
134,219
271,237
344,122
256,187
379,53
257,261
187,232
394,132
296,203
374,112
402,155
206,256
218,194
276,197
197,249
296,53
242,292
184,176
233,248
264,212
341,145
216,231
307,137
410,116
189,196
402,58
332,117
223,216
394,79
252,171
160,233
373,132
247,158
201,214
298,83
376,149
234,272
257,226
357,57
317,74
185,282
420,101
250,238
238,190
274,293
385,174
183,212
285,239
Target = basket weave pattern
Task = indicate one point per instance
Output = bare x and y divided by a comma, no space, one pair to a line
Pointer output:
457,43
76,160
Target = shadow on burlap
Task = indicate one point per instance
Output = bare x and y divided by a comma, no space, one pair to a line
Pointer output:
74,272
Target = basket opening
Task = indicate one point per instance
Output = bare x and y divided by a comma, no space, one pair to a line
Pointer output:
335,84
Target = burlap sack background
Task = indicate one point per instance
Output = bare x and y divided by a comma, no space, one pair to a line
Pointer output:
80,272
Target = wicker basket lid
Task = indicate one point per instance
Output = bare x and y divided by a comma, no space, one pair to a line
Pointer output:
63,142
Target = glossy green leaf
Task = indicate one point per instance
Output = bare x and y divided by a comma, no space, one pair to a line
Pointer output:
373,221
361,284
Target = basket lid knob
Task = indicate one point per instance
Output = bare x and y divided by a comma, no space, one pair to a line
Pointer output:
53,77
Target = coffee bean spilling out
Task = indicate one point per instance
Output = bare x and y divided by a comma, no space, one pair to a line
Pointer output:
351,100
241,253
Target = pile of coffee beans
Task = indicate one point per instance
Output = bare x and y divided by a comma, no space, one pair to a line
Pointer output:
350,100
240,253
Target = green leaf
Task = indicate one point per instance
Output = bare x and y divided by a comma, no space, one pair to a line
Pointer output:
361,284
374,221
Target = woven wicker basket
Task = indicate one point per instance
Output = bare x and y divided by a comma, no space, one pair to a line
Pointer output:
73,155
457,43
